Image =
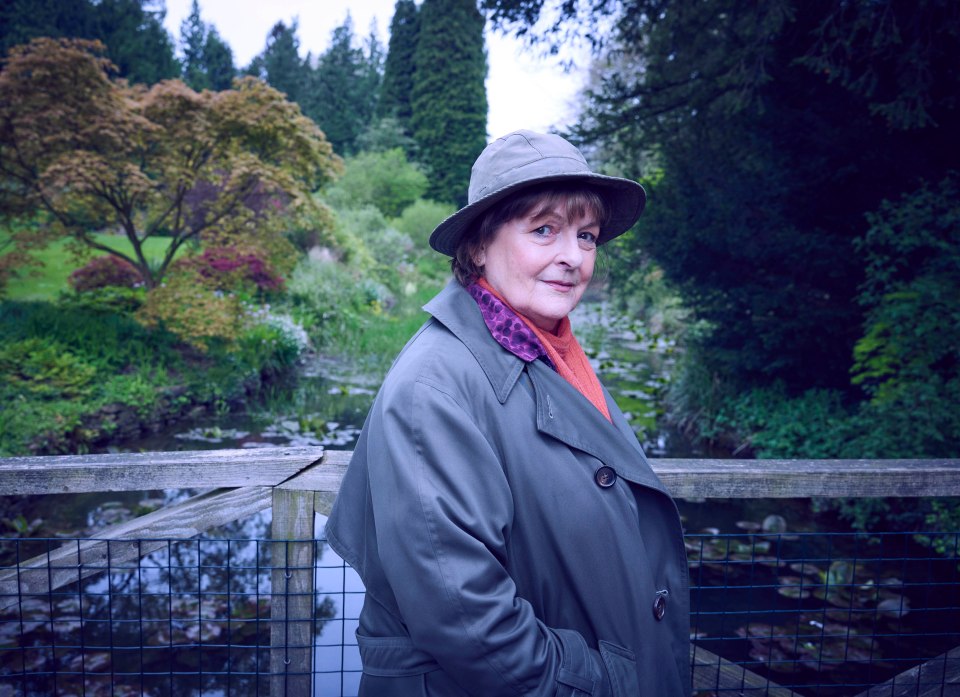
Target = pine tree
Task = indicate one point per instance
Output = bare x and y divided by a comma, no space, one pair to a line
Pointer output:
449,98
399,67
132,30
22,20
207,59
280,64
218,62
136,39
193,36
344,87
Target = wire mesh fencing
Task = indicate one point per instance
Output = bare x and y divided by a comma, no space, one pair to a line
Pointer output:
809,614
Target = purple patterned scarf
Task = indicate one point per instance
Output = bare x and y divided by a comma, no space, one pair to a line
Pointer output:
507,328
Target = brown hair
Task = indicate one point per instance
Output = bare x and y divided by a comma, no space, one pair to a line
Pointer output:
575,199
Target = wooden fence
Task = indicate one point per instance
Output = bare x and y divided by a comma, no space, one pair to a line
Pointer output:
297,482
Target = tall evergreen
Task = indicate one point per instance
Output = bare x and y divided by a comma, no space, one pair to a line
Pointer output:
218,61
132,31
449,97
207,59
344,87
193,35
280,64
136,39
22,20
399,68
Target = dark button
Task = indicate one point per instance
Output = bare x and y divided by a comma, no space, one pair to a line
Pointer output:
660,606
605,477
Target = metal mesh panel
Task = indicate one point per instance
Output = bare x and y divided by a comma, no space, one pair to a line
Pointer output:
816,614
826,614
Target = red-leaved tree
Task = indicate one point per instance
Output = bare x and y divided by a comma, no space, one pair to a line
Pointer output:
81,153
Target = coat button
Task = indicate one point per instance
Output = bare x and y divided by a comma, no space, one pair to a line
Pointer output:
660,605
605,477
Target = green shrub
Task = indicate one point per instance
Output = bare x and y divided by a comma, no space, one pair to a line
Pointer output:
197,315
272,344
385,180
388,247
112,342
31,424
311,227
419,219
114,299
45,369
353,315
141,390
908,359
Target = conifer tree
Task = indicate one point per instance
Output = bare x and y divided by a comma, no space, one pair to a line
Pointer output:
344,87
449,99
218,61
132,30
399,67
207,59
280,64
193,36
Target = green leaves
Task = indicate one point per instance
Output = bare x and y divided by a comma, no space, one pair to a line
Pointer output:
45,369
911,338
449,99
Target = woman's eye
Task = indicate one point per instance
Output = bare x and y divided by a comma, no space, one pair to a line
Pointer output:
587,236
543,230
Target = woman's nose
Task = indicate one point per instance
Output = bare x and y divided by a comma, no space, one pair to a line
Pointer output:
569,253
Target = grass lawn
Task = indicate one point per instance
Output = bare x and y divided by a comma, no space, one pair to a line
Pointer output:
45,282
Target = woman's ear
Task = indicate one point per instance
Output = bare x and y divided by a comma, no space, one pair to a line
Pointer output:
480,257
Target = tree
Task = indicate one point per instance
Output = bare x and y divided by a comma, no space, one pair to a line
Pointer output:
137,42
207,59
771,129
193,36
218,61
22,20
449,98
90,153
280,65
344,87
131,29
399,68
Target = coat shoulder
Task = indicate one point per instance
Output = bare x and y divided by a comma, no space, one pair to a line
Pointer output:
439,358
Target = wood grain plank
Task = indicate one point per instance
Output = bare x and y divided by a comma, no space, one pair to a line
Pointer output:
291,595
200,469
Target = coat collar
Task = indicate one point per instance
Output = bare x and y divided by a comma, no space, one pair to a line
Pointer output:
455,309
562,412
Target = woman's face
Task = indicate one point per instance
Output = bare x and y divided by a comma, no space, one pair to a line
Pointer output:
542,262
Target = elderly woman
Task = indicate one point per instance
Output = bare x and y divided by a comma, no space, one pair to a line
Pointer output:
511,535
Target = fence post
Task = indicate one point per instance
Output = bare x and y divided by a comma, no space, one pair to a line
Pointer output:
291,599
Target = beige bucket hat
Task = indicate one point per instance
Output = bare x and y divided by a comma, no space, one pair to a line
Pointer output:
524,158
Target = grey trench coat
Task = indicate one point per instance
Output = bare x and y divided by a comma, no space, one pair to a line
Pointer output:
512,541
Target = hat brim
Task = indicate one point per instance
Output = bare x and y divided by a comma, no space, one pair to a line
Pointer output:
625,201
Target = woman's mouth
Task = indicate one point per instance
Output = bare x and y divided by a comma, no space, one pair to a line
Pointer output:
562,286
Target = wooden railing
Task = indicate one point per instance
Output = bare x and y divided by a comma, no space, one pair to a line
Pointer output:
298,482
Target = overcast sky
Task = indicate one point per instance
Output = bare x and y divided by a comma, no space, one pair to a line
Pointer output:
524,90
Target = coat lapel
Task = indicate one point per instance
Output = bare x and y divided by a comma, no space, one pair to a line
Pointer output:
568,416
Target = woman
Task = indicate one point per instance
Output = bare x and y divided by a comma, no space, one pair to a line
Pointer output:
512,538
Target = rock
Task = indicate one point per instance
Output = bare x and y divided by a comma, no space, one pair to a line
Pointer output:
774,523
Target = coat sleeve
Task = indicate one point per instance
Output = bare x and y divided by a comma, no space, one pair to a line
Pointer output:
443,511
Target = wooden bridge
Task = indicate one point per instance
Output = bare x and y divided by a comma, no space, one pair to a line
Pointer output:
298,482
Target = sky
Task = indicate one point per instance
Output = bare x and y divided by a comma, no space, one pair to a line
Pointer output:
524,90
